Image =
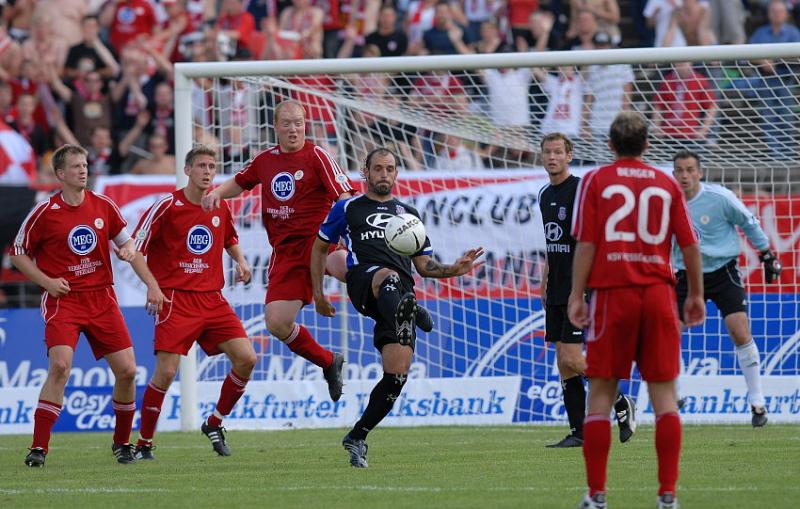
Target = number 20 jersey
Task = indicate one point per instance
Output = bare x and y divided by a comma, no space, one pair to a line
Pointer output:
183,243
630,212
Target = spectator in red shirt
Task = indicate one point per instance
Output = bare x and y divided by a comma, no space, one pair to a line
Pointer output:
236,23
685,107
128,20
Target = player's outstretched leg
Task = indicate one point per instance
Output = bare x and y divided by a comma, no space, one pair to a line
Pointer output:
625,410
405,319
424,319
750,364
381,401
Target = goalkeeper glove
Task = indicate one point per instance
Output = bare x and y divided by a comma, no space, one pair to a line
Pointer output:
772,266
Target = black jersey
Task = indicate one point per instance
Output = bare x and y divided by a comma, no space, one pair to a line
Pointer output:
360,221
556,202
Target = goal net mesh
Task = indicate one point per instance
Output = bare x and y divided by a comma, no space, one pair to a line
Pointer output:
468,144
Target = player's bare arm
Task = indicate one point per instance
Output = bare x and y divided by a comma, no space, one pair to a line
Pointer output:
228,189
319,255
243,271
577,308
155,297
428,267
694,308
56,287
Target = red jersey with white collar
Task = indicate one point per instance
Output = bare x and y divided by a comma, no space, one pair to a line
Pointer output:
184,244
297,189
72,242
630,211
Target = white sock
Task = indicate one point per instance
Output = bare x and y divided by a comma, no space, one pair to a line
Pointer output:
750,363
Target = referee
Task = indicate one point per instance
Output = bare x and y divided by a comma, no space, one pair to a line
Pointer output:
555,201
716,212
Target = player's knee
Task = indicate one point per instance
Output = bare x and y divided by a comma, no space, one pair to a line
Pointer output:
59,371
164,375
280,328
243,364
126,373
389,284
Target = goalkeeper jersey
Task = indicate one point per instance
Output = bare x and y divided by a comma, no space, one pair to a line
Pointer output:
716,212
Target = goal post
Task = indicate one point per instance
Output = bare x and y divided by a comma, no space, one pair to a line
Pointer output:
470,164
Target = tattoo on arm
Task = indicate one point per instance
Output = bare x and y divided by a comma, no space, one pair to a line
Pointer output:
436,269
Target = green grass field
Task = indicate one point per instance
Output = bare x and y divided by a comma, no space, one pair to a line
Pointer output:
440,467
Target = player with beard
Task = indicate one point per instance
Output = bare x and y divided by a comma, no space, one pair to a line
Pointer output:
380,285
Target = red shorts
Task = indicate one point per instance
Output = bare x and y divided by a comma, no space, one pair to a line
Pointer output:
93,312
289,272
637,323
205,317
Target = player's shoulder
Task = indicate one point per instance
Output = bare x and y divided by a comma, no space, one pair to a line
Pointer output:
717,191
103,200
267,154
402,207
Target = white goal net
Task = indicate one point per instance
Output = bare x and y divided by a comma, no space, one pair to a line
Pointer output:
467,133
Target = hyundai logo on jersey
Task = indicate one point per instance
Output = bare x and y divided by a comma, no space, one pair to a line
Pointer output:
283,186
82,240
378,220
199,240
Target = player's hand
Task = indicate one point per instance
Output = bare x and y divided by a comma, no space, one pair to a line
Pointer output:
155,300
324,306
57,287
210,201
467,262
125,253
578,311
243,272
772,266
694,310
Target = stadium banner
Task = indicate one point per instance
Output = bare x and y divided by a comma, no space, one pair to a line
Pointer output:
706,398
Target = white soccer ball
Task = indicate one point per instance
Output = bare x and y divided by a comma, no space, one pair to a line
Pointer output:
404,234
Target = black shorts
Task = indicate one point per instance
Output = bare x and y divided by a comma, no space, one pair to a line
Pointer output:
359,289
558,328
723,287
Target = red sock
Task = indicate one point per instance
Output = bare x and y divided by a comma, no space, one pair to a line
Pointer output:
668,448
596,444
232,390
301,342
124,413
151,408
43,419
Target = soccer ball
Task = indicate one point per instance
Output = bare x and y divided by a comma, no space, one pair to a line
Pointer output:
404,234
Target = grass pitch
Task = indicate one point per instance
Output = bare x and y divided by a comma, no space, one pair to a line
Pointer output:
438,467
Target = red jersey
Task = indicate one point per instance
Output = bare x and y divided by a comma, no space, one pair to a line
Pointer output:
72,242
297,191
184,244
683,103
131,19
630,211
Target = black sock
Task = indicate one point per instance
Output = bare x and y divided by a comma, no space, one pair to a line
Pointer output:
381,401
389,298
575,403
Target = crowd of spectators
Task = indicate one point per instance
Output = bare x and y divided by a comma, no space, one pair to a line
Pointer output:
100,72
